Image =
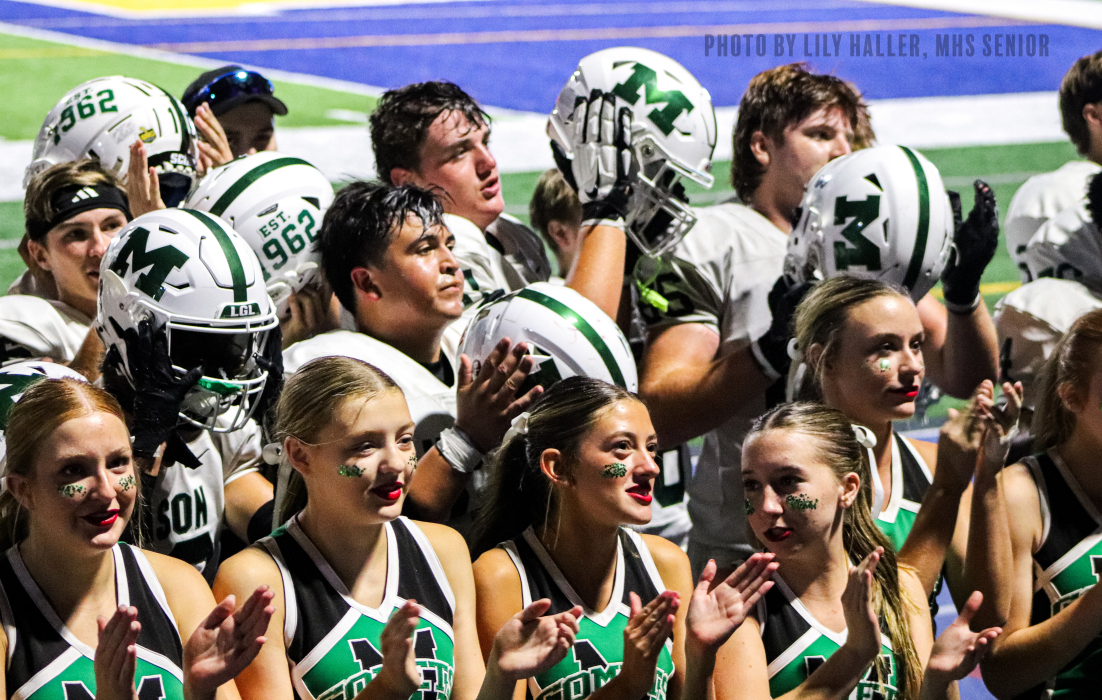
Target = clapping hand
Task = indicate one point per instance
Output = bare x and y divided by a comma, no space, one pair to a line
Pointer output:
117,655
226,642
716,612
529,644
959,650
862,622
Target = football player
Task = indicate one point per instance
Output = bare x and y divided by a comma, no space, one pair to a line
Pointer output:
233,109
72,211
388,256
1060,194
193,354
721,342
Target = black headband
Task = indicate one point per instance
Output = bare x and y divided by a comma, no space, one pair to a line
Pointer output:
77,199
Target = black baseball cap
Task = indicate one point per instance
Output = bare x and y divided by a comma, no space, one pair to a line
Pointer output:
228,87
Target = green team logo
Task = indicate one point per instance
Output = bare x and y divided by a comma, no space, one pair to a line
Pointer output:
863,253
161,262
12,387
593,661
643,78
800,668
1077,578
77,681
240,310
350,665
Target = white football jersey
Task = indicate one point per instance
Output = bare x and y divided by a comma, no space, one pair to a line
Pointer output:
1030,322
720,275
1039,199
31,327
1067,246
187,504
508,256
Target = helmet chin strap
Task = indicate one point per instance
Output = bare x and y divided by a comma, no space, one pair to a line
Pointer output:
868,441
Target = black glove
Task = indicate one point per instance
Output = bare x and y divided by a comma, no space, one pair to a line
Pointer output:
601,167
271,361
772,348
974,241
158,390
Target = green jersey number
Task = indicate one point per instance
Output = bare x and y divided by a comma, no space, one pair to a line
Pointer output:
84,108
863,253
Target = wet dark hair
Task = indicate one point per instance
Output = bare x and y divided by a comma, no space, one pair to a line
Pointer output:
518,493
402,119
358,228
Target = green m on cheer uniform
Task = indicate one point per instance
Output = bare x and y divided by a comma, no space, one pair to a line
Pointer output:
910,480
796,644
47,662
598,652
1068,563
333,641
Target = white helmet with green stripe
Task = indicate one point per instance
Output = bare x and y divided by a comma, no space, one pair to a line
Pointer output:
566,333
879,212
196,279
102,117
16,378
276,203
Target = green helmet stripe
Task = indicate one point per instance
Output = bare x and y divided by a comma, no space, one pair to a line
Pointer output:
237,269
248,179
182,117
923,233
583,326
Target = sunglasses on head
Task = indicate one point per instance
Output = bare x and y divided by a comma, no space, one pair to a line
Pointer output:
228,86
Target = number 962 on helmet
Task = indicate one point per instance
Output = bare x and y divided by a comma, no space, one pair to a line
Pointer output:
879,212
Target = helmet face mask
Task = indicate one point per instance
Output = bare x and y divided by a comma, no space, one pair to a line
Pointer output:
101,118
210,304
880,213
673,135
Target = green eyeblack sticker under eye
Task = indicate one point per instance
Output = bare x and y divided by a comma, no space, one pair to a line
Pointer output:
70,490
126,483
749,507
614,471
350,470
412,461
885,365
801,501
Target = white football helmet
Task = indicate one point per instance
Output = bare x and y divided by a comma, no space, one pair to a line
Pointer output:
191,275
16,378
879,212
566,333
276,203
673,134
102,117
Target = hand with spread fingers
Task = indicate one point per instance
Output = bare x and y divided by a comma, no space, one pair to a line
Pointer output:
1000,423
486,400
975,241
529,643
645,636
116,655
716,612
957,651
226,643
214,147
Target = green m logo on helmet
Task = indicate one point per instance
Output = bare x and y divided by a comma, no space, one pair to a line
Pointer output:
643,77
163,261
864,252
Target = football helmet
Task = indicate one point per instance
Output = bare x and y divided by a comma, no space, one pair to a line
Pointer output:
195,278
566,333
16,378
276,203
102,117
673,134
879,212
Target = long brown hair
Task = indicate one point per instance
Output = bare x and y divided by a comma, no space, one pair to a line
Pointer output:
1072,364
42,409
838,448
518,493
306,406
